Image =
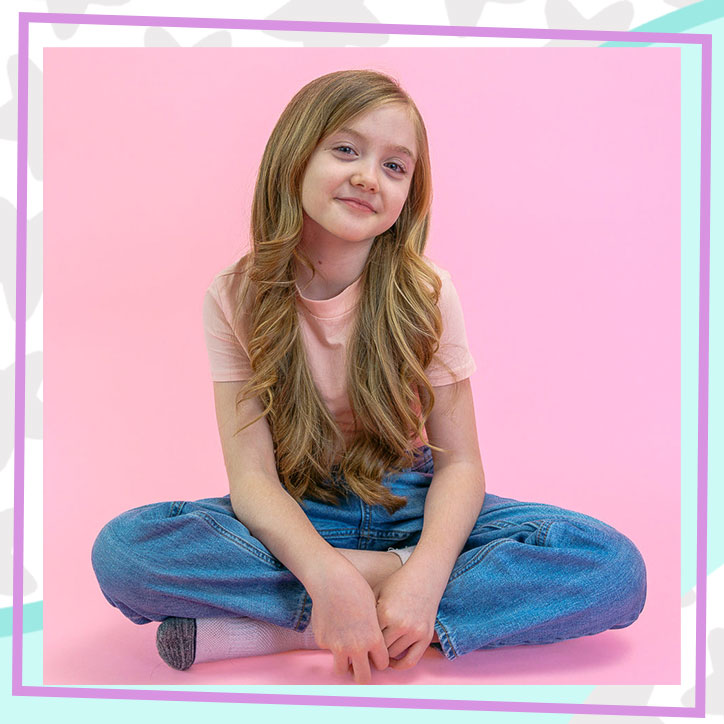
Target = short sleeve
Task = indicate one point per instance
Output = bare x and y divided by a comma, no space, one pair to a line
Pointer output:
453,361
228,359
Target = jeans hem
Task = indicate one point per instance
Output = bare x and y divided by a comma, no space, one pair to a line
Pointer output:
446,644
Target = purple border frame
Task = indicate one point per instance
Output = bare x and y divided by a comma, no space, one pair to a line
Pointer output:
705,41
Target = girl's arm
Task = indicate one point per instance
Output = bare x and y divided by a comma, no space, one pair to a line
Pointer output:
457,490
343,611
409,598
258,497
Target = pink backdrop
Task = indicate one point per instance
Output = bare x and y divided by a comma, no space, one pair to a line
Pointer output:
556,174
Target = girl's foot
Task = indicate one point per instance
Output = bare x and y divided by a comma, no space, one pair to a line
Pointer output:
182,642
176,642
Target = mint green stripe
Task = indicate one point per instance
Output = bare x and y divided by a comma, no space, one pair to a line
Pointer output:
32,618
678,21
685,18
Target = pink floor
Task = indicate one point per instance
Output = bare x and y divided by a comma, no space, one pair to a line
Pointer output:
106,649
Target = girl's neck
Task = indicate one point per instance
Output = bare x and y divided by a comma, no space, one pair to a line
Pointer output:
337,263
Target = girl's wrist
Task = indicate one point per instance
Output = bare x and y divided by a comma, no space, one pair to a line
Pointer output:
328,569
430,569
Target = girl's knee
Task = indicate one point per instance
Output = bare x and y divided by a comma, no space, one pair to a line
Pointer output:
628,575
118,553
611,568
621,577
109,553
123,562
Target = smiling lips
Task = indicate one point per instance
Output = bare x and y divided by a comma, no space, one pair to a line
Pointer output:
357,204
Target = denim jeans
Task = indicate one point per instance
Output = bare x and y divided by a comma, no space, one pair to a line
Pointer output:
529,573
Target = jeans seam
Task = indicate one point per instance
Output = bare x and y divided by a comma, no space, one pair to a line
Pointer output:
373,534
364,523
336,532
482,554
236,539
302,611
543,523
489,547
369,535
542,534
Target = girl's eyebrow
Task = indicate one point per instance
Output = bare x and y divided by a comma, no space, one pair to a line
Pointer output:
351,132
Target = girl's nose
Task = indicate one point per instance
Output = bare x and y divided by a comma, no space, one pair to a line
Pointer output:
365,179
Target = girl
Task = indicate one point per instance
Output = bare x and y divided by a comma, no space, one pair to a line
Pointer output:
357,519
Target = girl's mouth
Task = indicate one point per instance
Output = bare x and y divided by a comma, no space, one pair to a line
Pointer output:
356,206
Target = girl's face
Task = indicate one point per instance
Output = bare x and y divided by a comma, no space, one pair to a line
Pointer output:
357,179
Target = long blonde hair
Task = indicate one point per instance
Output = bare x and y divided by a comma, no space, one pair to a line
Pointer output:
398,323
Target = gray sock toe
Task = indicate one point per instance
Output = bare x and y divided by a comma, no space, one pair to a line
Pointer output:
176,642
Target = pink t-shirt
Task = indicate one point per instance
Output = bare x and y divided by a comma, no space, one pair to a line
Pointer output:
325,326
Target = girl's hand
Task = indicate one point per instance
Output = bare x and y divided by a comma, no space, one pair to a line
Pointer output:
406,609
344,621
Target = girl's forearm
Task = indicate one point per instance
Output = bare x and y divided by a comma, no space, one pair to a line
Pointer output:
452,506
278,521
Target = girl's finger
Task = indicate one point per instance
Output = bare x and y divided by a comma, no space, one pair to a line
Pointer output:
379,656
401,645
391,635
412,657
361,666
341,664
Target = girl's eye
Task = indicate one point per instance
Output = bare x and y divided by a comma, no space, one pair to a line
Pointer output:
400,169
348,150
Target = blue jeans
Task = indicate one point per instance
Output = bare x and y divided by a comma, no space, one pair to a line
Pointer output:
529,573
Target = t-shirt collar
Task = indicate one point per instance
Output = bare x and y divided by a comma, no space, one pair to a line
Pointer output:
341,304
